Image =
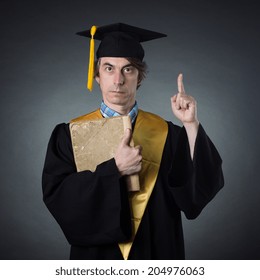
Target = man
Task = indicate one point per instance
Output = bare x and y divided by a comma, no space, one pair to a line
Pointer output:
179,168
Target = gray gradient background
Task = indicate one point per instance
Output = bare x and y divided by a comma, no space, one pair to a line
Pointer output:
215,44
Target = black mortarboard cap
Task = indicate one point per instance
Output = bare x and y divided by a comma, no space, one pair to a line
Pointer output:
121,40
118,40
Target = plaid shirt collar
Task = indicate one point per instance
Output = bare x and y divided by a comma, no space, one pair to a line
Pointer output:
108,112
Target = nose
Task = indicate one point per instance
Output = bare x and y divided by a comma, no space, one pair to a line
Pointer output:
119,78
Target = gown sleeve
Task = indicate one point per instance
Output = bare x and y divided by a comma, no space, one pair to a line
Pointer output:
91,208
194,183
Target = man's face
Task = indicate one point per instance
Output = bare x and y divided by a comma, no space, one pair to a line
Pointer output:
118,83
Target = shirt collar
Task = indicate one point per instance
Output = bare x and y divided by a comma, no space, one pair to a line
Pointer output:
108,112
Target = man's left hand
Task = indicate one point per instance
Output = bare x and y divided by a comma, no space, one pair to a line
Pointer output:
184,106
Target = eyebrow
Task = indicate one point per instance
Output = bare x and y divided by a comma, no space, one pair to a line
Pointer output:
109,64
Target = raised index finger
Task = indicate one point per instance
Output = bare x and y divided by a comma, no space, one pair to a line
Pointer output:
180,84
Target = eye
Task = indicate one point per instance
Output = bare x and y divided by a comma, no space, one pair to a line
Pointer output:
128,69
108,68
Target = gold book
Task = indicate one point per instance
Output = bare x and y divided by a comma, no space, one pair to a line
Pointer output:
96,141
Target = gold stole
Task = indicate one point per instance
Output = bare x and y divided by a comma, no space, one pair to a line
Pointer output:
150,132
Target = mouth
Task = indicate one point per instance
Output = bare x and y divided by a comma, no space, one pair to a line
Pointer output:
117,91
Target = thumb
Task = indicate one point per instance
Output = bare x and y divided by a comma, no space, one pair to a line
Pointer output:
127,137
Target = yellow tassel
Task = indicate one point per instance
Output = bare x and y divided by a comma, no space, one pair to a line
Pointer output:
91,58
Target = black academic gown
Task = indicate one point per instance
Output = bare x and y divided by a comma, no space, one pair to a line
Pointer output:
92,208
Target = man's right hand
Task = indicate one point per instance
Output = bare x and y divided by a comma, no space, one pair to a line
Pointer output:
128,159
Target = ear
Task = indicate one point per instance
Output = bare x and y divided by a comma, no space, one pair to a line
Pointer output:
97,79
138,83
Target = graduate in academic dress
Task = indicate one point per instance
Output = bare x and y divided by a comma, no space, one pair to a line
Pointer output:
179,167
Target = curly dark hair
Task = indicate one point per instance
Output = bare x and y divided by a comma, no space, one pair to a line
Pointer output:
141,66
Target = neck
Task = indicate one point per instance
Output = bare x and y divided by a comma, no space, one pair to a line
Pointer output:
108,112
120,109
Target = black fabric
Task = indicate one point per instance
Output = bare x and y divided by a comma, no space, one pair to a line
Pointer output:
93,209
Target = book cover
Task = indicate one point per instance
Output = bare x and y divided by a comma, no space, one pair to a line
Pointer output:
96,141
